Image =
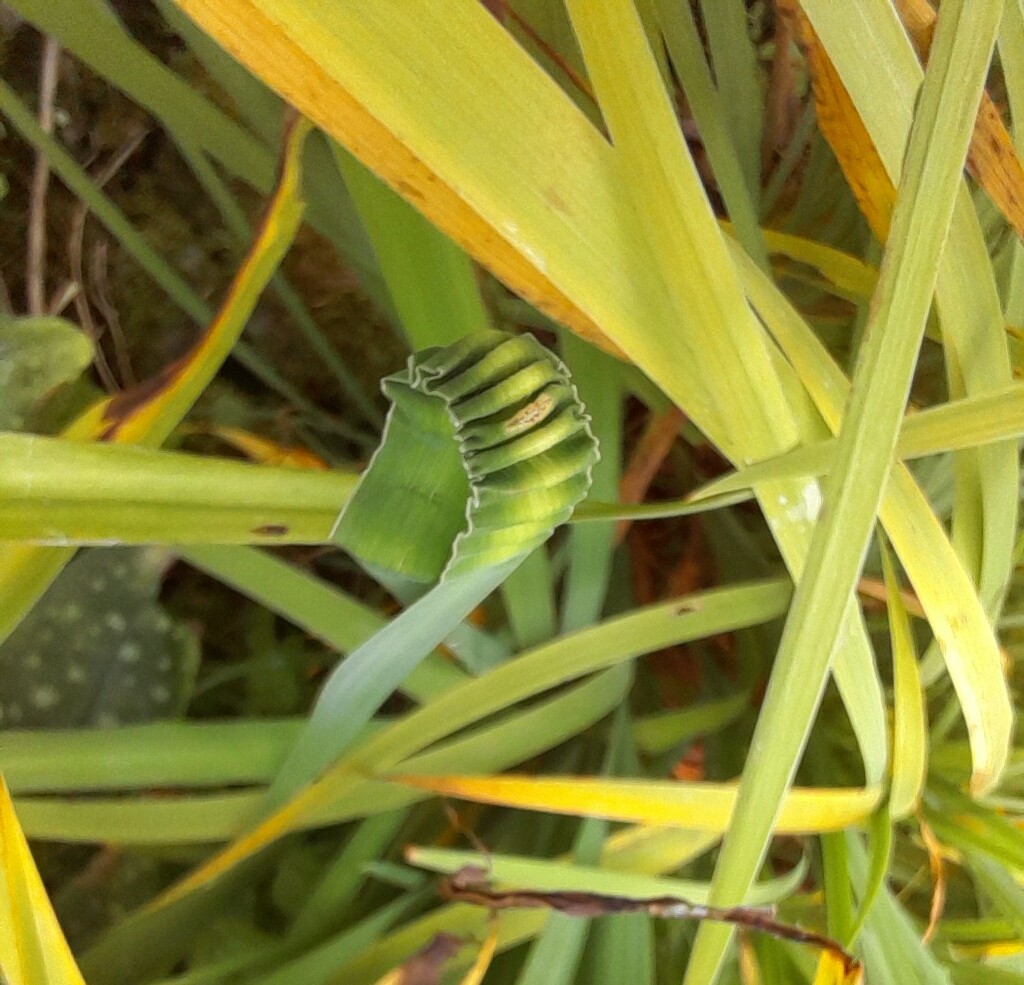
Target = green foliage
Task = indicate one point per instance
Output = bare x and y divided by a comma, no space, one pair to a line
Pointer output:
37,355
228,757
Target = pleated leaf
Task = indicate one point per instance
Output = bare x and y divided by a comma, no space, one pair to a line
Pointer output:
486,449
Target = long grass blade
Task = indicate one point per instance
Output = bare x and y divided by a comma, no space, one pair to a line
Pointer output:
866,444
910,739
701,806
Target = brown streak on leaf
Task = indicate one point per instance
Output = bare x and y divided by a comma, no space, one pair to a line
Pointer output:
122,406
991,158
271,530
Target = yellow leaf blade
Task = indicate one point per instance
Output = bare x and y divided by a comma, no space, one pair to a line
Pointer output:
484,957
290,45
698,806
146,414
832,970
32,947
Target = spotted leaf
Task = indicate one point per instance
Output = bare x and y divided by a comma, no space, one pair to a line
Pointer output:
98,649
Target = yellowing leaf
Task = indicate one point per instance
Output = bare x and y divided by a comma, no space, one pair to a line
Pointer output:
698,806
991,159
289,44
32,948
484,957
261,449
147,414
833,970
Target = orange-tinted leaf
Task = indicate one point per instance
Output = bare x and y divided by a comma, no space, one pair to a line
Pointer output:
992,158
842,127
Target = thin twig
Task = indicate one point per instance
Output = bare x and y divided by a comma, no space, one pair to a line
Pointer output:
466,831
35,265
469,885
62,296
101,298
875,589
76,240
781,95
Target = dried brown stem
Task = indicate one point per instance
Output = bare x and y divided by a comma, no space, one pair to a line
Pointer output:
781,95
76,240
62,296
101,298
938,871
648,456
35,264
6,307
469,885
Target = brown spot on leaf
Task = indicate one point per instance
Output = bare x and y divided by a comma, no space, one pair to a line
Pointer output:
555,200
426,966
690,605
271,530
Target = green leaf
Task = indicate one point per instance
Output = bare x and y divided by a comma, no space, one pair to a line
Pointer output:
909,739
663,730
432,283
36,356
57,491
890,943
323,610
879,858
